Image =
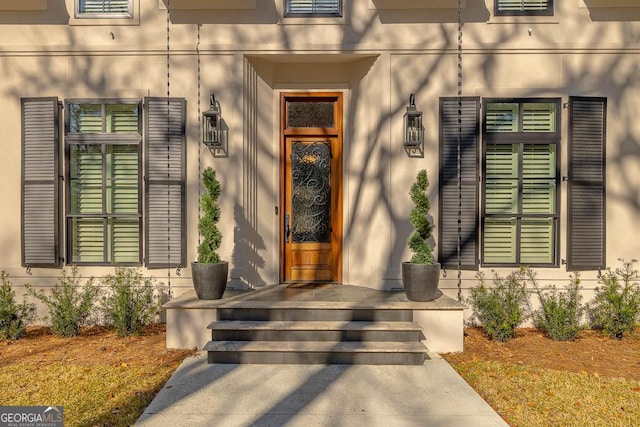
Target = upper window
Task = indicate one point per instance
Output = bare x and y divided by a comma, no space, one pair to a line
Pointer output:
103,185
309,8
521,181
104,8
523,7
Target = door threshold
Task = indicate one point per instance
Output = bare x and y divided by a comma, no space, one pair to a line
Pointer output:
311,285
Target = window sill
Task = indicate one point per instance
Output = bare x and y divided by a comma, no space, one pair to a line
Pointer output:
104,21
295,20
19,5
523,20
517,266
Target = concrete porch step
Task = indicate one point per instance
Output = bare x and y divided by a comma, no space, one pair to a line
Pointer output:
246,311
246,330
315,333
317,352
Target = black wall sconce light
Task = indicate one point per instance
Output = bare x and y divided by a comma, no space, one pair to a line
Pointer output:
214,132
413,128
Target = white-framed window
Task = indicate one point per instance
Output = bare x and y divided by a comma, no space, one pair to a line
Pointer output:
103,8
312,8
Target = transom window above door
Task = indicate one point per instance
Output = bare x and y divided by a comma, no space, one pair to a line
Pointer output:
301,114
523,7
311,8
104,8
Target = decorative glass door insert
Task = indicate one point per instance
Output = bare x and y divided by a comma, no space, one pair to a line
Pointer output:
311,192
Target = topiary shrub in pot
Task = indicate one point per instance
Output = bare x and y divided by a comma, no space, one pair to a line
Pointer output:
421,276
209,273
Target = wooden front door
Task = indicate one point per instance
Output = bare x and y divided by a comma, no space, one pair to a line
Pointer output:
311,187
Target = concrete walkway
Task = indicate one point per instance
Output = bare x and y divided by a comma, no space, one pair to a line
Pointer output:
201,394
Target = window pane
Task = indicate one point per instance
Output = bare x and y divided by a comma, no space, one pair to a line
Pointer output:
87,235
501,197
88,240
499,240
501,185
122,118
536,245
86,179
312,7
522,5
310,114
539,161
103,6
539,117
539,195
502,161
502,117
122,179
85,118
124,238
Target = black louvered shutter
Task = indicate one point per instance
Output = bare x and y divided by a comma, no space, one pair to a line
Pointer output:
40,184
586,236
467,109
165,143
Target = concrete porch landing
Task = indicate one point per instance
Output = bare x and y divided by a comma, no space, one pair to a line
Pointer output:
441,319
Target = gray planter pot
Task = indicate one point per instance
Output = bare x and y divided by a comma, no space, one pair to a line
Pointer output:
421,281
209,280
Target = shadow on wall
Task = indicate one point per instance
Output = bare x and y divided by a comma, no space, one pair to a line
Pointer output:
626,161
439,12
54,13
613,10
265,12
247,244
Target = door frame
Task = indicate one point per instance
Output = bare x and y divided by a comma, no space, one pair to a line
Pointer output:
335,132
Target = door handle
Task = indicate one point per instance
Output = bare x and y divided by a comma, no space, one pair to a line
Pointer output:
287,228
